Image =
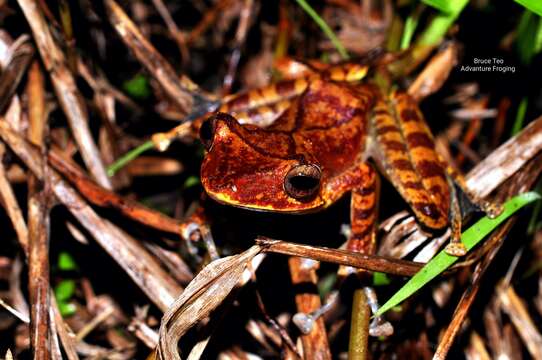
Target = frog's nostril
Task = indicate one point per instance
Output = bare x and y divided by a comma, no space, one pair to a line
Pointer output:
303,181
207,132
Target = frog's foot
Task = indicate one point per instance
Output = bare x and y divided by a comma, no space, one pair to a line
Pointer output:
492,209
378,326
456,248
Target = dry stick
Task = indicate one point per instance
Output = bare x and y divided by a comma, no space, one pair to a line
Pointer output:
518,312
208,20
97,195
38,225
470,293
67,337
12,207
38,274
522,181
66,91
240,36
176,33
342,257
179,91
144,270
315,344
506,160
10,76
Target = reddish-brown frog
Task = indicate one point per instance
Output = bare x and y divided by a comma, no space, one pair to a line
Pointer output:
330,133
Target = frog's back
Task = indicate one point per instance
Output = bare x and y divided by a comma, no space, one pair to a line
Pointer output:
328,124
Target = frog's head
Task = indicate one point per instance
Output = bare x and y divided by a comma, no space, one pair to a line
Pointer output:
248,167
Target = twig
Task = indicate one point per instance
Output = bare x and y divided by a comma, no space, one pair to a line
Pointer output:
129,254
240,36
343,257
39,202
103,197
470,293
182,91
66,90
176,33
12,207
21,52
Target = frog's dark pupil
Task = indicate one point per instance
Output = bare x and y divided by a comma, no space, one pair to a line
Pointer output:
304,183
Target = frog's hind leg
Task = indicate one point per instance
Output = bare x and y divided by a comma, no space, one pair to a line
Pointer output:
404,148
408,159
435,177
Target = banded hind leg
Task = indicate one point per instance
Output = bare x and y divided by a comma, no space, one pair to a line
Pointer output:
405,150
419,141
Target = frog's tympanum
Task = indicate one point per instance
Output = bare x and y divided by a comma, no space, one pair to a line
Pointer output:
301,144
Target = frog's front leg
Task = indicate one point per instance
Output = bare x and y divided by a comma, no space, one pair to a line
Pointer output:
364,211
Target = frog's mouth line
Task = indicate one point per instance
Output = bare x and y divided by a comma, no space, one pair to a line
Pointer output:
292,207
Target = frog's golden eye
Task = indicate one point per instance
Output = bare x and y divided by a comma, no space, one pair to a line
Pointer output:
207,132
303,181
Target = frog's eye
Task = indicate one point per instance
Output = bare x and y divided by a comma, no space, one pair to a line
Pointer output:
303,181
207,132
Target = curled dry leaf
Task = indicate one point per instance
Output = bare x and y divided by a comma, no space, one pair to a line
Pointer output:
435,73
204,294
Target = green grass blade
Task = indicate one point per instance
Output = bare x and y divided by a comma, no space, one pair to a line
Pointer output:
440,24
470,237
411,23
533,5
520,116
446,6
129,156
325,28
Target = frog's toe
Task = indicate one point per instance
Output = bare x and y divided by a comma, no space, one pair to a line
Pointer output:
492,209
456,249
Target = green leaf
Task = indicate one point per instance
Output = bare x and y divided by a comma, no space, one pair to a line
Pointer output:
66,308
326,283
470,237
324,27
445,6
520,116
440,24
66,262
380,279
64,290
190,182
533,5
408,31
137,87
529,36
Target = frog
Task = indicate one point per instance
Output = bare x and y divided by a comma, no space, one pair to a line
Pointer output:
300,145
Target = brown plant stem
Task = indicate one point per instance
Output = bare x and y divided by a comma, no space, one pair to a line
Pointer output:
359,327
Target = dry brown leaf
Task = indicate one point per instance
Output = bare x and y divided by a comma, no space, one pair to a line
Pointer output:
204,294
